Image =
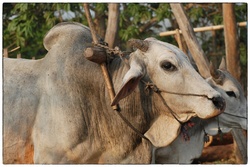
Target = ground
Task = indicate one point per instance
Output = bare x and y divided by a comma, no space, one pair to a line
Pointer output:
220,151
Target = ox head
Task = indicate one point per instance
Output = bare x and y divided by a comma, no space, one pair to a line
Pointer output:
235,115
170,70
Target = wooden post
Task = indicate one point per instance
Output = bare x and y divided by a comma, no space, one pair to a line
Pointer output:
112,25
18,56
5,52
103,65
233,66
231,41
178,38
191,41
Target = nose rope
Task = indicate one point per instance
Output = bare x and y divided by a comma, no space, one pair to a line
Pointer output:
157,90
170,110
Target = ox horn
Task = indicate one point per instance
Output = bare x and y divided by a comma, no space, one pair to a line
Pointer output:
139,44
217,75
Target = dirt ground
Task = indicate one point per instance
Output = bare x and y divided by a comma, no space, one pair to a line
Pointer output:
221,154
220,151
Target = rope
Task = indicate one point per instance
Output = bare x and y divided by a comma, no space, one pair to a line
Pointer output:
131,126
171,111
157,90
219,130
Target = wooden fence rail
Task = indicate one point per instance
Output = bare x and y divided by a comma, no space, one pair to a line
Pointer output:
200,29
18,56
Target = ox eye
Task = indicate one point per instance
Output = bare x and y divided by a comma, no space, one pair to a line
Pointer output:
231,94
167,66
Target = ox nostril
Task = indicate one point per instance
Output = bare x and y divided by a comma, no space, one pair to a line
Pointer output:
219,103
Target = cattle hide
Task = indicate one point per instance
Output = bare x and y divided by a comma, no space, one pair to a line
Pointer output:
58,109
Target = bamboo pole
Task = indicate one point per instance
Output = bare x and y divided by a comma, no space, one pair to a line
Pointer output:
6,52
201,29
12,50
103,65
178,38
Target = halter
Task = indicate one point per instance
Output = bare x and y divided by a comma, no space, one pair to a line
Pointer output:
151,86
154,88
147,87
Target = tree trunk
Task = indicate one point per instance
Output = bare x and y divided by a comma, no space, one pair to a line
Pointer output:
100,26
231,41
113,18
191,41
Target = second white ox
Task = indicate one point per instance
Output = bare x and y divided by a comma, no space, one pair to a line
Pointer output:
58,107
234,116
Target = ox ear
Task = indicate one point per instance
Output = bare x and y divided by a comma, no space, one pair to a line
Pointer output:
130,81
163,131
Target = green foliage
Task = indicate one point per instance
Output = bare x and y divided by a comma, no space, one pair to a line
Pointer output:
240,11
26,24
131,31
131,18
196,13
134,17
100,7
163,11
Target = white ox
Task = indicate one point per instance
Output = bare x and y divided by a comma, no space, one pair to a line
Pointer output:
234,116
57,109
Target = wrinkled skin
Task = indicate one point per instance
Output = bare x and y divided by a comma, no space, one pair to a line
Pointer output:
57,109
182,152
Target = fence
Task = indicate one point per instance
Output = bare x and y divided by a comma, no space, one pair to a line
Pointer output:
200,29
6,53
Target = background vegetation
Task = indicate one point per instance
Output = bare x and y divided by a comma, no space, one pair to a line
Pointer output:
25,25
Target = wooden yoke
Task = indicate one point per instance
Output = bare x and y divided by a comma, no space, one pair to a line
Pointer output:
98,55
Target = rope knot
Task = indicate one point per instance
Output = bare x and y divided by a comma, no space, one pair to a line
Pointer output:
151,86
